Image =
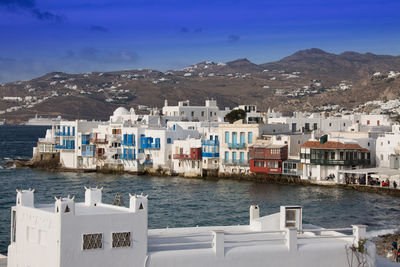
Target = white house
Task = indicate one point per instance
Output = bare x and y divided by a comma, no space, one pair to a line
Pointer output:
91,233
187,157
185,112
326,159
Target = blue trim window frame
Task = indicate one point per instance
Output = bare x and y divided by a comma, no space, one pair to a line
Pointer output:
234,138
226,137
128,140
226,156
250,138
169,141
242,138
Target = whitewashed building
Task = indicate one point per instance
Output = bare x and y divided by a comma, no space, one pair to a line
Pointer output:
187,157
388,148
185,112
91,233
323,160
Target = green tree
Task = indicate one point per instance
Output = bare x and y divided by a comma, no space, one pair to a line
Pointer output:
234,115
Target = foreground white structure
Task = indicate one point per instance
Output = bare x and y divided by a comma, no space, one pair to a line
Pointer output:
91,233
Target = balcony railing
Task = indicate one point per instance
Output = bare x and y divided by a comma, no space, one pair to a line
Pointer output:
210,155
150,146
210,142
236,145
236,162
98,141
88,153
64,134
181,156
64,147
127,143
186,156
127,156
334,162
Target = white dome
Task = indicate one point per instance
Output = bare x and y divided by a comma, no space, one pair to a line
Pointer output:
121,111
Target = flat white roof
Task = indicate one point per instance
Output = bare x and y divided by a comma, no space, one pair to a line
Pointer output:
196,238
82,209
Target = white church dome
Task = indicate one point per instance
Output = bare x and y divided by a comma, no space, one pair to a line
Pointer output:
121,111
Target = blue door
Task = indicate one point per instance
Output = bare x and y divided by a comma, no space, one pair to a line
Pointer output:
250,141
233,157
226,156
242,138
226,137
234,138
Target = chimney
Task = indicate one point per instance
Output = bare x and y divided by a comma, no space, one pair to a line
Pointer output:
25,198
138,203
64,205
254,212
93,196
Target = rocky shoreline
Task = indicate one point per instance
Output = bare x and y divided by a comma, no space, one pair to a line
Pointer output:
384,244
54,166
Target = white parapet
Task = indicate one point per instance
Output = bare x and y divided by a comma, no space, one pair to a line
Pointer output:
3,261
218,243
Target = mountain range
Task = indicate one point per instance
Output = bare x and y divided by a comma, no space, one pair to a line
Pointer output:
308,80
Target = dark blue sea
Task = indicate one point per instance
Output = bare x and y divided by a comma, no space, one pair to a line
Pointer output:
177,202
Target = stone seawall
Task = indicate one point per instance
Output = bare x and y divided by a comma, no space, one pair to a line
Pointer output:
50,164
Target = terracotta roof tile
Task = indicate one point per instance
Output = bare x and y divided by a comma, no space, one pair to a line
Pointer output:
332,145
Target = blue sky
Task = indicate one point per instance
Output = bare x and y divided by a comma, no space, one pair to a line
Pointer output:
39,36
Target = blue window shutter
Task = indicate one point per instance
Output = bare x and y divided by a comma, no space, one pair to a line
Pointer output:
226,137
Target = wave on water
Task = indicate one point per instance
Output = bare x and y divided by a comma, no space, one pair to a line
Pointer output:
376,233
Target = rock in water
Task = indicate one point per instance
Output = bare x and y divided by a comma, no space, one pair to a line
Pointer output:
118,201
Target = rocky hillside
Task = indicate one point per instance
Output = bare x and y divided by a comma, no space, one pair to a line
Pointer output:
307,80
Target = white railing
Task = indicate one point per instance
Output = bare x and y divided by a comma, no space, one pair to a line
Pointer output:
218,240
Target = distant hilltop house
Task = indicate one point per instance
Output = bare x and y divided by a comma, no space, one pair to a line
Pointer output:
196,141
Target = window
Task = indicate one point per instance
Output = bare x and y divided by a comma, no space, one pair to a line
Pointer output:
92,241
388,142
202,113
368,144
210,114
381,157
250,138
275,151
315,126
259,163
121,240
192,113
169,141
272,164
226,137
330,124
332,155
